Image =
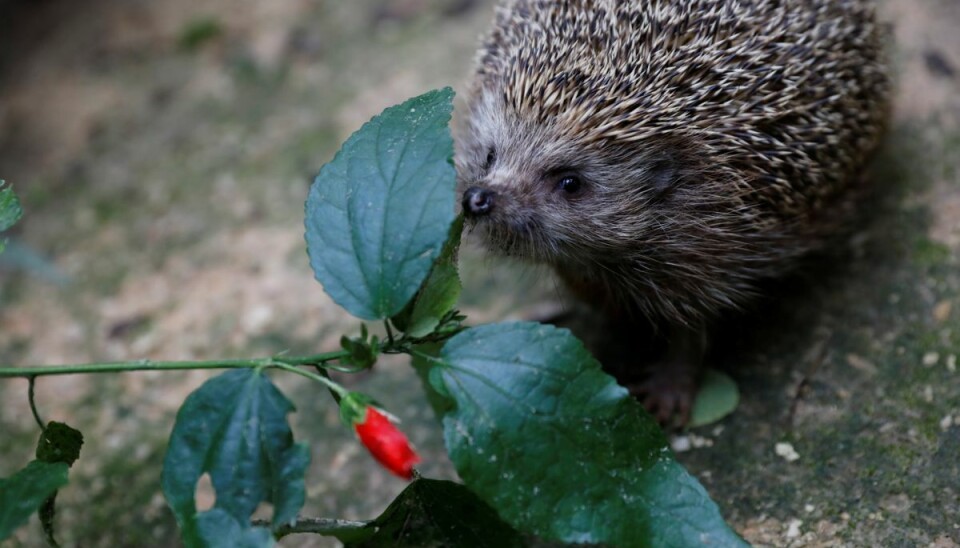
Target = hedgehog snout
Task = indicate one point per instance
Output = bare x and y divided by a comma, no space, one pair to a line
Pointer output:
477,201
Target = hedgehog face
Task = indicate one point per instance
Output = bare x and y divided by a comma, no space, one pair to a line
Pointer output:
533,190
520,185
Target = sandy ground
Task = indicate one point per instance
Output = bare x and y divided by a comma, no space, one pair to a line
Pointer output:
163,151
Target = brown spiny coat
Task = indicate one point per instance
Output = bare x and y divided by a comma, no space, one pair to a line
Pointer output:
711,141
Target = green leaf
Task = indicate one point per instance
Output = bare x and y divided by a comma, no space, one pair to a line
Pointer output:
235,428
47,512
218,529
422,361
59,443
439,294
10,211
440,513
378,214
560,450
717,398
363,352
23,493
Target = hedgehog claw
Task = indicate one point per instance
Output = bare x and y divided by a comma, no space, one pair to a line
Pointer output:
669,388
667,396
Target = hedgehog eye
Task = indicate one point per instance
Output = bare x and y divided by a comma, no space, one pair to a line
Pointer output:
491,158
570,184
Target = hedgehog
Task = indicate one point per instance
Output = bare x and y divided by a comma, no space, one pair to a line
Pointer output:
667,157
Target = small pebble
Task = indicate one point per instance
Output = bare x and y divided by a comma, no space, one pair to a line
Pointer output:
686,442
928,394
946,423
861,364
952,363
680,444
931,359
793,528
941,312
786,450
809,508
699,442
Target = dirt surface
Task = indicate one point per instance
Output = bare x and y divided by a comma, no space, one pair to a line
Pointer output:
163,150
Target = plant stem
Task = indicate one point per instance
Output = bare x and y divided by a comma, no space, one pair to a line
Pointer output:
324,373
386,323
428,357
33,403
150,365
334,387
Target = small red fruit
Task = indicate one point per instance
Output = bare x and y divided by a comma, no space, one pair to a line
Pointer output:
387,443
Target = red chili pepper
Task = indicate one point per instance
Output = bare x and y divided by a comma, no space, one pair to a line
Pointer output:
387,444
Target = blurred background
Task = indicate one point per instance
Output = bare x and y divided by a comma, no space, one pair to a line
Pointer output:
163,150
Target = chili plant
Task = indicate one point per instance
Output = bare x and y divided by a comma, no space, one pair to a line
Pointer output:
546,444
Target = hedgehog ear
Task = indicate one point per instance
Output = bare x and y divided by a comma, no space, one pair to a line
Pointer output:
662,177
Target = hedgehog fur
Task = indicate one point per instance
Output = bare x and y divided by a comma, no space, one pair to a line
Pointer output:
667,155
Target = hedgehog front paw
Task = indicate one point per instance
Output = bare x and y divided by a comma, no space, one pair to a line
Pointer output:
668,395
669,386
